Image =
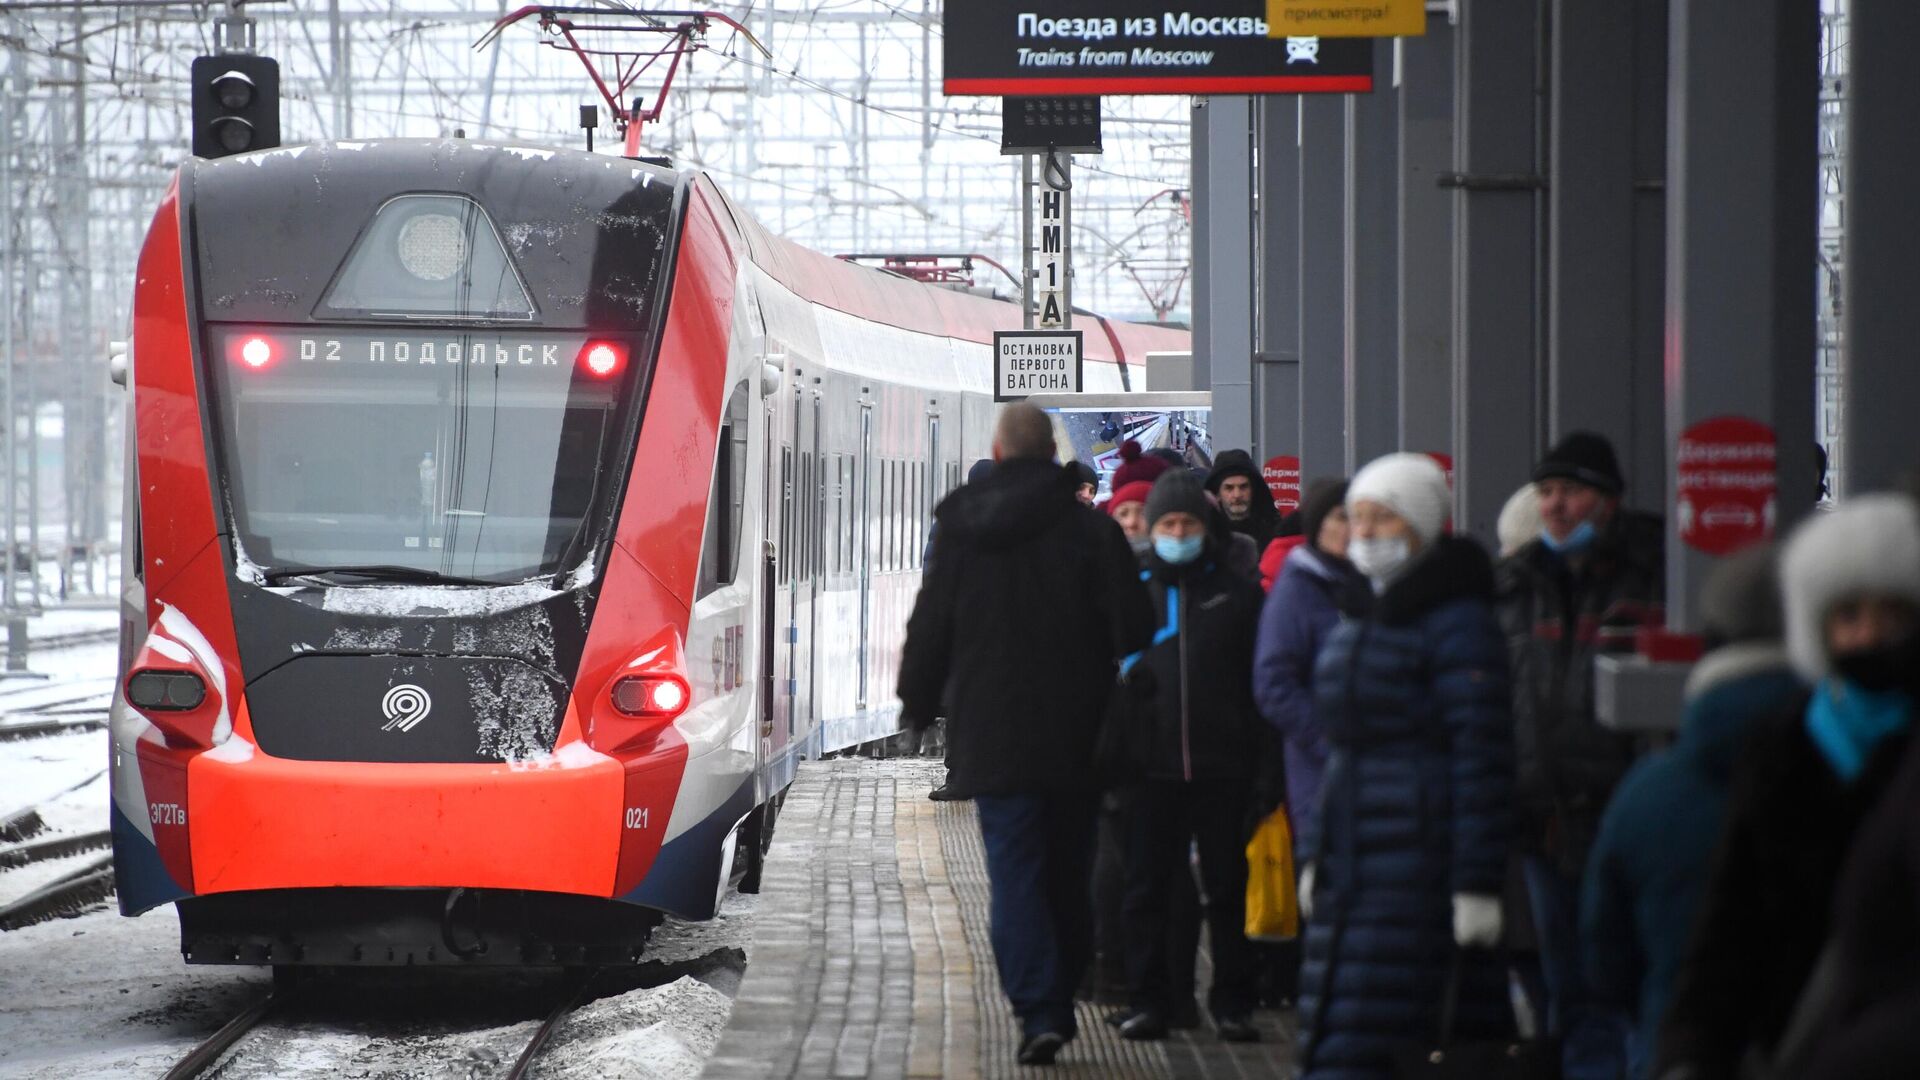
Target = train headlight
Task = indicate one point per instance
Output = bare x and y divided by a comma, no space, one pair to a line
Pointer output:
433,247
167,691
650,696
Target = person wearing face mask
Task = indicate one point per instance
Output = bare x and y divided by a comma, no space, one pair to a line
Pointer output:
1587,583
1808,778
1406,860
1200,753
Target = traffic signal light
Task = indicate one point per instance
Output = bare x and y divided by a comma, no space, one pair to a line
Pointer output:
236,104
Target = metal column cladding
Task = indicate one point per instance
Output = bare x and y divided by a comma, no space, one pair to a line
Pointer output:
1276,380
1882,383
1322,271
1372,274
1223,263
1606,203
1496,199
1741,232
1426,241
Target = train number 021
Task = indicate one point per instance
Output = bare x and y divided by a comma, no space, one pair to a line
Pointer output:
168,813
636,817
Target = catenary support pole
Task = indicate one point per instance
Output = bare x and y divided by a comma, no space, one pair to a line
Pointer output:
1741,204
1425,66
1882,382
1372,279
1496,191
1323,173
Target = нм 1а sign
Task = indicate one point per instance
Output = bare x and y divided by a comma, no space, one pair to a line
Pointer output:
1036,362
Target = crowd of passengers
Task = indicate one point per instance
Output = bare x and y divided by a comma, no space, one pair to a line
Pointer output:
1131,688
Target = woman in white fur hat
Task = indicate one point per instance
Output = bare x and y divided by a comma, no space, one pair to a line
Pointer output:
1851,581
1408,855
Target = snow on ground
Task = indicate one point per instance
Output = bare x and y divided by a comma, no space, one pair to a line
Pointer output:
106,996
102,996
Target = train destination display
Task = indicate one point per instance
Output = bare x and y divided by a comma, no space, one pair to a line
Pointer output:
1008,47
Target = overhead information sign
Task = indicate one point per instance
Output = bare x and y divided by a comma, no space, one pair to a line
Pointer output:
1029,362
1015,47
1346,18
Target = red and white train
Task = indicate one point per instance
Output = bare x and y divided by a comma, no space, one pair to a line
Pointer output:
506,525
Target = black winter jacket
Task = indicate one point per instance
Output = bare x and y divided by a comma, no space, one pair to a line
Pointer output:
1206,726
1764,918
1025,608
1557,620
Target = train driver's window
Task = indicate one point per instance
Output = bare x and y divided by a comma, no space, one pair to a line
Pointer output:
726,503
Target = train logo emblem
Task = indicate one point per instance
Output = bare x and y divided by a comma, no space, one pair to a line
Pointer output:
405,706
1303,50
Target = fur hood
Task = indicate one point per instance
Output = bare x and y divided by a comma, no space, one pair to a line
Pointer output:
1871,544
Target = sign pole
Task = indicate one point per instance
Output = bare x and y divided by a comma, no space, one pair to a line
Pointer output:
1026,241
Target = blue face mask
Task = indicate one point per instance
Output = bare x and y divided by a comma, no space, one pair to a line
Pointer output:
1577,541
1848,721
1178,551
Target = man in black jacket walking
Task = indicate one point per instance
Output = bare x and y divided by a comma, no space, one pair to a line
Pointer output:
1024,610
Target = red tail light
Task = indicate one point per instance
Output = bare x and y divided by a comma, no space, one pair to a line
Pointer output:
255,352
643,699
651,696
604,359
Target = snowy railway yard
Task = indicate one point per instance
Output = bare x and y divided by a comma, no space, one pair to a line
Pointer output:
89,993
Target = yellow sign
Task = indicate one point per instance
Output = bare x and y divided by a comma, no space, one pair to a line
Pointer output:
1346,18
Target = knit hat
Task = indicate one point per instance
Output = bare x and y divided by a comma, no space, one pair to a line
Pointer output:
1135,492
1871,544
1178,492
1519,520
1583,457
1136,466
1323,498
1083,473
1412,486
1741,599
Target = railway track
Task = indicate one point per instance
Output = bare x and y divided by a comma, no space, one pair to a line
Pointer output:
285,994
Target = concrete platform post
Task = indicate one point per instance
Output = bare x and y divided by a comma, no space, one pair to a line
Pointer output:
1323,178
1496,416
1882,383
1223,283
1605,279
1370,352
1425,69
1741,205
1276,419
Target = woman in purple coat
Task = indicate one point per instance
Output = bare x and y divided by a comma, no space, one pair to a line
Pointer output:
1300,612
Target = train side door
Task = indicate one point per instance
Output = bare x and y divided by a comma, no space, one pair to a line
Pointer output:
863,553
817,537
797,576
779,464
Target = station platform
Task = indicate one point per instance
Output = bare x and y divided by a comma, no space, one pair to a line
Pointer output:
871,955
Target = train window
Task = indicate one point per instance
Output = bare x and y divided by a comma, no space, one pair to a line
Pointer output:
886,515
806,515
846,507
726,503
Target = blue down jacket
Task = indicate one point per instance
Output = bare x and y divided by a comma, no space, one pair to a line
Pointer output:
1414,700
1651,862
1300,613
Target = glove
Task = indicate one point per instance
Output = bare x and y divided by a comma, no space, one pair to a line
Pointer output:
1306,892
1476,920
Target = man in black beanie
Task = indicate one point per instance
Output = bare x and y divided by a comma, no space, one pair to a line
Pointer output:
1593,577
1244,497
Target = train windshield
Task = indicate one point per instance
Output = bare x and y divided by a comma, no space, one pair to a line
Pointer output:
464,456
425,355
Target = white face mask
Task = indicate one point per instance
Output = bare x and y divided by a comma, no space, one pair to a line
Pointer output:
1379,557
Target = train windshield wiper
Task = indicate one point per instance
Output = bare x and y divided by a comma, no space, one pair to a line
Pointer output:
377,572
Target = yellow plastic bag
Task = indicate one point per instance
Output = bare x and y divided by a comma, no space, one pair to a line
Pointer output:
1273,906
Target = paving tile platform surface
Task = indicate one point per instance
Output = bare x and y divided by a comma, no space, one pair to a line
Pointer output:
871,956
